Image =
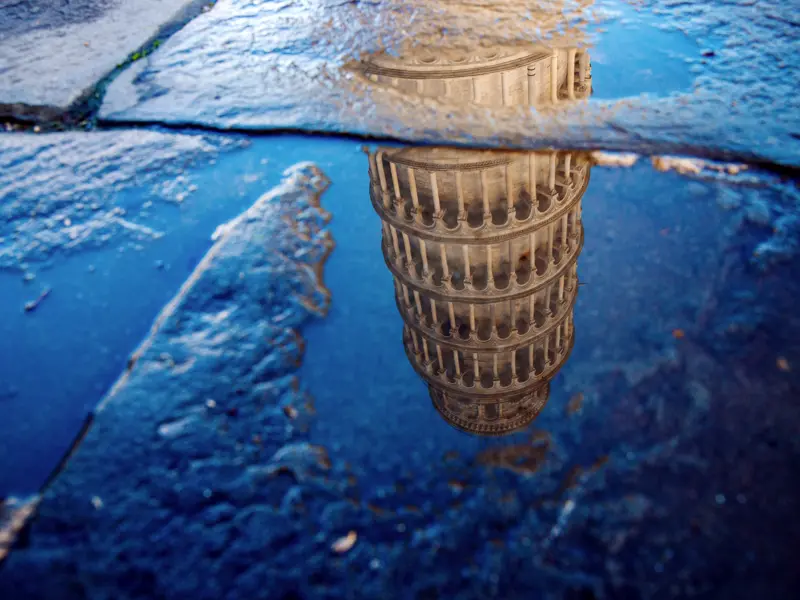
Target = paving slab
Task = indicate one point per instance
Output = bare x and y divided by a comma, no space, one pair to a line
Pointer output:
120,219
698,76
54,52
63,193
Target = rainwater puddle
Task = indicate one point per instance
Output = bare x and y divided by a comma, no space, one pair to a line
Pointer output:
657,365
466,366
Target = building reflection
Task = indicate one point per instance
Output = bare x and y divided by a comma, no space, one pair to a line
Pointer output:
541,76
483,245
483,248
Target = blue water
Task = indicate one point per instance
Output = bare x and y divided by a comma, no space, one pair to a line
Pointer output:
420,497
642,266
57,362
632,57
668,445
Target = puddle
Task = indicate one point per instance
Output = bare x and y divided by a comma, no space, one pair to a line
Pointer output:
495,369
623,56
106,290
633,56
644,356
411,439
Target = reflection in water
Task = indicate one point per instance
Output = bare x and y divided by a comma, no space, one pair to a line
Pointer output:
541,76
483,247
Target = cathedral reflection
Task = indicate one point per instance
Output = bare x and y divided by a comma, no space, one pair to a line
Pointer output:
483,245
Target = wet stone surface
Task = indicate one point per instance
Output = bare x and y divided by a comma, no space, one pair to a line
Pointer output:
22,16
208,421
54,53
447,365
98,231
665,71
64,192
319,467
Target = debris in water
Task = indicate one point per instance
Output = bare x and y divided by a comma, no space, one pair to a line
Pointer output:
344,544
34,304
575,404
694,166
522,458
678,334
783,364
558,528
457,486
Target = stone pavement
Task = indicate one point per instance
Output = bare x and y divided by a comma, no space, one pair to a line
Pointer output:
208,383
54,53
200,476
269,64
87,221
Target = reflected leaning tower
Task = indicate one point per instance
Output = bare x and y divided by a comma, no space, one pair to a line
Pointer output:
542,76
483,247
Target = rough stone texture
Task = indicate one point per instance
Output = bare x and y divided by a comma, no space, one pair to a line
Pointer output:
264,64
53,53
59,193
22,16
224,348
108,225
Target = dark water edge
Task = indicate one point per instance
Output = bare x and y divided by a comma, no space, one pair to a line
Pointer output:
666,447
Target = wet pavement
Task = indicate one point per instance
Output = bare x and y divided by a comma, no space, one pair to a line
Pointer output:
664,72
56,54
261,364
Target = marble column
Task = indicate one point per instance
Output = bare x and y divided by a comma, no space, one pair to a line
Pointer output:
571,73
533,86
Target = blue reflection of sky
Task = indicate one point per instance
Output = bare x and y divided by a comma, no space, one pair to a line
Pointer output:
632,55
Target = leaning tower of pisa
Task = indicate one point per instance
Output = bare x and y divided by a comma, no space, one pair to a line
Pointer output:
483,248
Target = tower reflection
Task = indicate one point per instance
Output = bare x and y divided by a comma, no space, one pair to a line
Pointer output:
483,248
483,245
540,76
